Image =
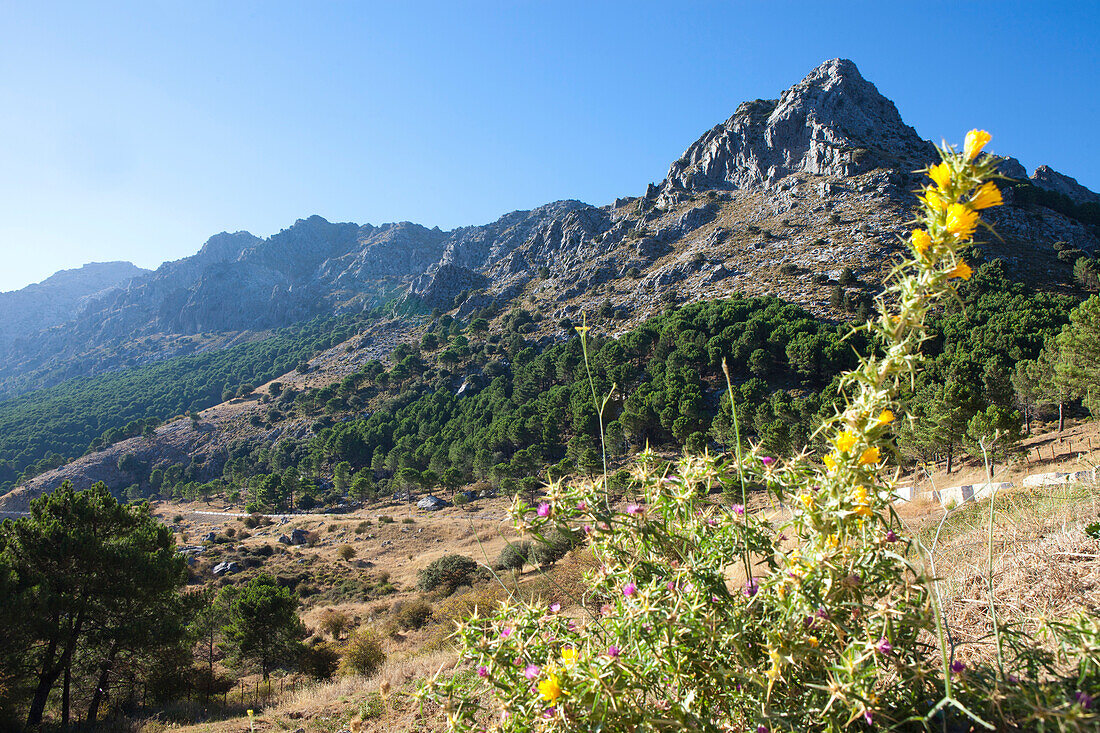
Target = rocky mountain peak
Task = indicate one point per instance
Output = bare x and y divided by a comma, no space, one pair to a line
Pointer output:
1050,179
833,122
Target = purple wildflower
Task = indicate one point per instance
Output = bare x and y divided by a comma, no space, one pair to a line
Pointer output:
738,509
505,632
588,529
958,667
613,651
751,587
1085,699
629,589
483,671
761,729
544,509
767,461
531,671
555,607
671,586
582,505
890,536
884,647
634,509
868,717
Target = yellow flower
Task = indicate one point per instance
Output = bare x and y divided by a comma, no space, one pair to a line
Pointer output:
830,462
250,713
550,688
812,641
885,417
941,174
871,455
845,441
807,499
975,141
934,200
834,541
921,241
961,220
569,655
960,270
988,195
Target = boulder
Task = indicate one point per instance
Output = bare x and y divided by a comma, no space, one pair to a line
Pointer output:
431,503
226,568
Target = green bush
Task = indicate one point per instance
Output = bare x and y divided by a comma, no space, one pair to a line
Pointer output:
447,573
553,546
319,662
413,615
514,556
362,654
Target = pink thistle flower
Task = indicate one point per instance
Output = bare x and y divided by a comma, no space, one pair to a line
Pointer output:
544,509
738,509
549,712
606,609
555,607
767,461
634,509
571,626
629,589
505,632
613,651
884,647
891,537
761,729
868,717
483,671
531,671
588,529
671,586
751,587
582,506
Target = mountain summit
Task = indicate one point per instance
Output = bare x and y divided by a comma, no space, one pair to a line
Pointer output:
833,123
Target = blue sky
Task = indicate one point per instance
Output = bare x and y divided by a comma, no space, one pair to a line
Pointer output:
134,131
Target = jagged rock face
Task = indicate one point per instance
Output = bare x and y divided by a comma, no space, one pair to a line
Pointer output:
389,251
54,300
438,288
832,123
1050,179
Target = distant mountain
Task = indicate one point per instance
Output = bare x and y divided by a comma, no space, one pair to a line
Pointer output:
830,150
24,313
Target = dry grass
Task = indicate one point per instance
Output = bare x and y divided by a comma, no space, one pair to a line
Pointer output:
1044,566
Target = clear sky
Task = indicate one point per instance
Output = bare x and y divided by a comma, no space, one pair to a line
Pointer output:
135,130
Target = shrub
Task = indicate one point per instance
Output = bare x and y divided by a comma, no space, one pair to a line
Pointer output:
319,662
362,526
553,546
412,615
513,556
834,623
447,573
346,552
334,622
363,653
384,519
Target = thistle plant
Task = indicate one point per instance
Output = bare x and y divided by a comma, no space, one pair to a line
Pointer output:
705,617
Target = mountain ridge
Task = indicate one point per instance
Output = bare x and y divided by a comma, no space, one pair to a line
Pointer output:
828,130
